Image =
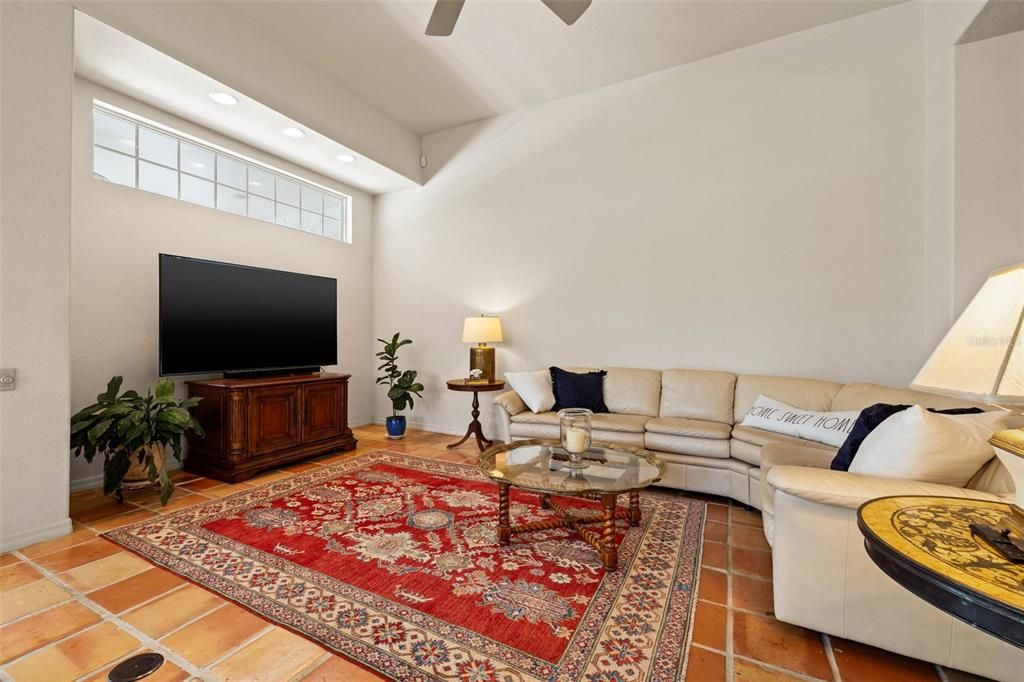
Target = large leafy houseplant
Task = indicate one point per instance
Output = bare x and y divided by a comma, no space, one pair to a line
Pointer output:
401,385
132,431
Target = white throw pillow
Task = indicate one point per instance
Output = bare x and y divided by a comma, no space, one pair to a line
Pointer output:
534,388
923,446
830,428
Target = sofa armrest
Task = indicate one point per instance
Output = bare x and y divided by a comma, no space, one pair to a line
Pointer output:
510,402
849,491
780,454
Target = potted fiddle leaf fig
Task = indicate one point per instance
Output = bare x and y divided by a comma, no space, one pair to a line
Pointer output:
133,432
402,386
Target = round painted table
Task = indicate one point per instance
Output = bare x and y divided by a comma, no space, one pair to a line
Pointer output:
926,545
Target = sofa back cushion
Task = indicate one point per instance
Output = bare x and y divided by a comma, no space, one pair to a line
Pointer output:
857,396
809,394
633,391
697,394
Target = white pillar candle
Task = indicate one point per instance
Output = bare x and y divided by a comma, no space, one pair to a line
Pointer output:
576,440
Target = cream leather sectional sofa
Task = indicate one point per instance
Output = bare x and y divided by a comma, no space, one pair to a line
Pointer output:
691,418
822,578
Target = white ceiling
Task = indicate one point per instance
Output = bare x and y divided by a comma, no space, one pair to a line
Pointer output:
510,54
122,63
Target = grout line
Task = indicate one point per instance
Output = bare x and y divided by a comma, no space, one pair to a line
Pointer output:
831,656
309,670
145,640
73,531
238,647
729,624
25,616
774,668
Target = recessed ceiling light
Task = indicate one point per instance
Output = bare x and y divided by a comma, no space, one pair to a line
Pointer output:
224,98
293,132
346,158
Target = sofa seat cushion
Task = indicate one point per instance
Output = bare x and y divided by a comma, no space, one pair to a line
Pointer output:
626,423
695,428
747,442
686,445
538,418
754,436
550,432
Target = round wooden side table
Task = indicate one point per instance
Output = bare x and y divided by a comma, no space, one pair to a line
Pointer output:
475,427
925,544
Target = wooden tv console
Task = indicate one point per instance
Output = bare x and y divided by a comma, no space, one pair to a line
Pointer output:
256,424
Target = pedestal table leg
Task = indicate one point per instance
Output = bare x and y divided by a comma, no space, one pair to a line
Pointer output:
475,428
609,549
504,526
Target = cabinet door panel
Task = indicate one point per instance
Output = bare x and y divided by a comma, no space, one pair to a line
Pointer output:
273,419
322,411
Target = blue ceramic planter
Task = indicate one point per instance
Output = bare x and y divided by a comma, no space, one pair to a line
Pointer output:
395,426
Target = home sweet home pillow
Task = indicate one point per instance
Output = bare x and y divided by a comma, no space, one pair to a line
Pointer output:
830,428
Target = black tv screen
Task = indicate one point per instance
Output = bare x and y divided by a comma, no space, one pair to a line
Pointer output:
221,317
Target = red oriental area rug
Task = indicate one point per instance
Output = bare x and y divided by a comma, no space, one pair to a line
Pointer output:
393,562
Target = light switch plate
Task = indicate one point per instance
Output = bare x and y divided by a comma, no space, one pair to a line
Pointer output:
7,379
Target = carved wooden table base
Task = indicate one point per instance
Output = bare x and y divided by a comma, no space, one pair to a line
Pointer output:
601,539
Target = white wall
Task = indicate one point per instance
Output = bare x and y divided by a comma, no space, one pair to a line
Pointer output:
944,23
35,217
117,233
759,211
989,160
217,41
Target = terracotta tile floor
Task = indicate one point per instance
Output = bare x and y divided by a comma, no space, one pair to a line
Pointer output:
72,607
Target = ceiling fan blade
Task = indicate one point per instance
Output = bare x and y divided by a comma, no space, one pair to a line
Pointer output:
568,10
443,18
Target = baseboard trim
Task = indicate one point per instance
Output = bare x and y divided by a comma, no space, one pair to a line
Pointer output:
56,530
429,426
96,480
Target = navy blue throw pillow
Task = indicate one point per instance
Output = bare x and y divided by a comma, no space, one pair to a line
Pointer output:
578,390
871,417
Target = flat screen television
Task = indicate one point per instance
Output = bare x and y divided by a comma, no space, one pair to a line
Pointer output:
242,320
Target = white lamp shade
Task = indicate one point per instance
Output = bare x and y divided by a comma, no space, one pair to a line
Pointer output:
982,356
482,330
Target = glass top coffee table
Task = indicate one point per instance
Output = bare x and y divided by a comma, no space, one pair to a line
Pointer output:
539,466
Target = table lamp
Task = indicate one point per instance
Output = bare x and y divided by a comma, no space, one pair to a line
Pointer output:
981,359
481,331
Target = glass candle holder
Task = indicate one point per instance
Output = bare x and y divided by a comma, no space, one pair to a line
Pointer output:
575,430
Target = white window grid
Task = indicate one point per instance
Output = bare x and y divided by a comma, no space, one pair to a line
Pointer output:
304,212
